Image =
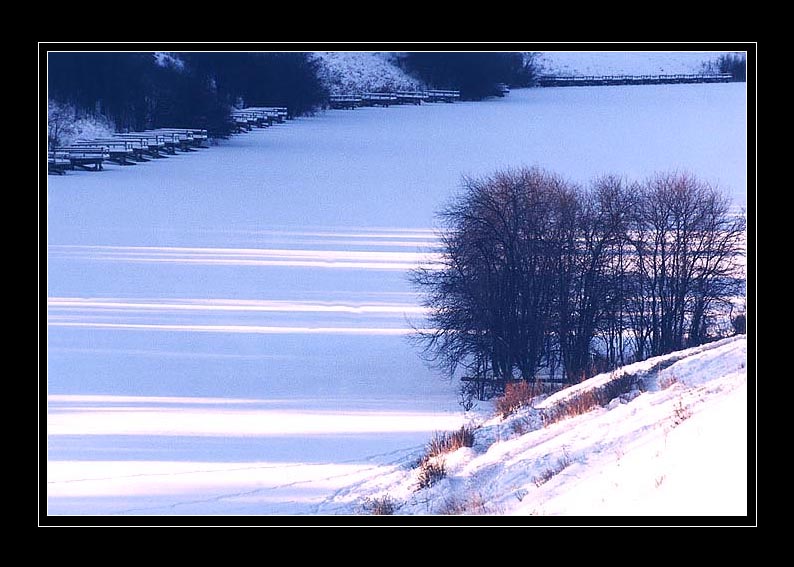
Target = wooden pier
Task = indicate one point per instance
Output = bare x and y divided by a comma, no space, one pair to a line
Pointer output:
385,99
610,80
124,149
133,148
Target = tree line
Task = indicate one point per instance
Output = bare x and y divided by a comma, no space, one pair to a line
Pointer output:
734,64
477,74
197,90
137,91
542,277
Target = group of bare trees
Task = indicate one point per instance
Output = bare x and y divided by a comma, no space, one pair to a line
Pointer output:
539,276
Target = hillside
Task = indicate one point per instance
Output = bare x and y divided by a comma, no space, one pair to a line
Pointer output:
676,446
344,72
624,63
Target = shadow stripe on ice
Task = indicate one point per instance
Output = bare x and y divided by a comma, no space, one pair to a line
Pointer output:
357,259
254,305
251,329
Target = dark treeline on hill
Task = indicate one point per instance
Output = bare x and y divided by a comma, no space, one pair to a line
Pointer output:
137,91
541,277
735,64
476,75
144,90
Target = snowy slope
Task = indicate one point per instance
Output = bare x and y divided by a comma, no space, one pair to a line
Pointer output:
678,450
624,62
346,72
349,72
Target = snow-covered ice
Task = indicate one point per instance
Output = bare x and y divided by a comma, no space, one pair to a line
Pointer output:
226,329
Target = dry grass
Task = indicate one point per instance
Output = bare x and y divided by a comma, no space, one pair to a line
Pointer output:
430,472
668,381
681,413
585,401
519,395
521,426
447,442
546,475
432,467
472,503
380,506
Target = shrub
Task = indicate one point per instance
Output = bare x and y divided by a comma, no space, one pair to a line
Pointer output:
380,506
430,472
472,503
681,413
667,381
467,396
447,442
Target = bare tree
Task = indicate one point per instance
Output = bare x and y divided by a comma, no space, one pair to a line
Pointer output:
686,244
491,302
536,270
591,275
60,123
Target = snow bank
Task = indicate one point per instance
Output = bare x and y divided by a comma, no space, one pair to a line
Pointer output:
647,371
681,450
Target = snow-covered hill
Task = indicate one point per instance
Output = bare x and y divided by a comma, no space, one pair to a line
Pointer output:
345,72
677,447
372,71
625,62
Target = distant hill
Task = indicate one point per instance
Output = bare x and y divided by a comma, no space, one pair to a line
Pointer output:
343,72
624,63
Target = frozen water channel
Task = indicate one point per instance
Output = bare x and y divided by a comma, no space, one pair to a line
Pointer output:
227,329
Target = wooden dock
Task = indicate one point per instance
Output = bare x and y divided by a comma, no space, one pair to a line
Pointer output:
124,149
385,99
132,148
345,101
610,80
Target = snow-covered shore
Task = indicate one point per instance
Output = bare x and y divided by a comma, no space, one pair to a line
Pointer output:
678,449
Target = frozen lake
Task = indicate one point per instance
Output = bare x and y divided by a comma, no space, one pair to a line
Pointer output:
227,328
